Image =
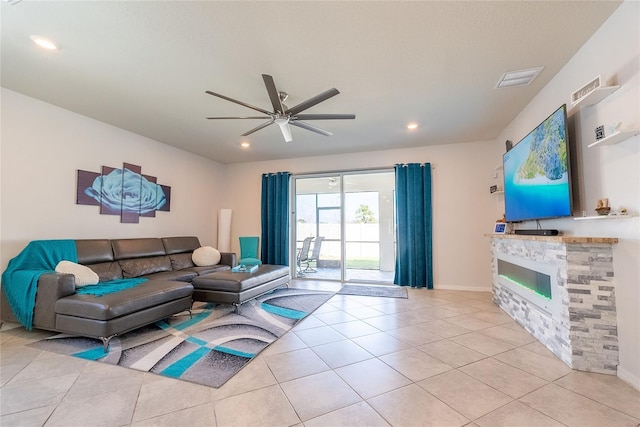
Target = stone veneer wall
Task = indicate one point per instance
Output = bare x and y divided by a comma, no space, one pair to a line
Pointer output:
582,330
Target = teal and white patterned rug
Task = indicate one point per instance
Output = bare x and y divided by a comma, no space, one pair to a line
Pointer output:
208,348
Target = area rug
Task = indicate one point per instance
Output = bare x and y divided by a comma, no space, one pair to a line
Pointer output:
208,348
374,291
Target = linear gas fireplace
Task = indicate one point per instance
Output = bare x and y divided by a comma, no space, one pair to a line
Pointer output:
538,283
561,289
532,281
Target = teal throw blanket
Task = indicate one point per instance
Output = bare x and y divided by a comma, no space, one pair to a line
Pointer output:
20,279
104,288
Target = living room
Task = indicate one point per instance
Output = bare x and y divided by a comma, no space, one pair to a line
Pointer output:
44,145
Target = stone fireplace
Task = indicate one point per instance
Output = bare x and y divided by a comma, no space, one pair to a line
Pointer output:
561,289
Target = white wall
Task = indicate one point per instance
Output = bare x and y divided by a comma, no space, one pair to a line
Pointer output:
613,52
463,209
43,146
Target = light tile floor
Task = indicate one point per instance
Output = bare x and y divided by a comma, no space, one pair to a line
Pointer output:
439,358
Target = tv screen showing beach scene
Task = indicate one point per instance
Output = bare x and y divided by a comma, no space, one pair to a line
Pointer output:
537,182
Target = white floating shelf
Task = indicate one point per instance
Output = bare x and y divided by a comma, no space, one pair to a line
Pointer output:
615,138
580,218
498,168
596,95
498,192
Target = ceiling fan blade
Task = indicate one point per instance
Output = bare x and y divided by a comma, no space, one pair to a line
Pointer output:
215,118
313,101
257,128
244,104
323,116
307,126
273,93
286,131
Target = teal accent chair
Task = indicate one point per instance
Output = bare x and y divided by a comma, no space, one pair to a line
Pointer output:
249,250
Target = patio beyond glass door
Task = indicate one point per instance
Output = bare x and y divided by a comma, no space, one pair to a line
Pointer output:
353,214
318,214
369,227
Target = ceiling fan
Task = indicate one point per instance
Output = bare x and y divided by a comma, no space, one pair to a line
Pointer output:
284,116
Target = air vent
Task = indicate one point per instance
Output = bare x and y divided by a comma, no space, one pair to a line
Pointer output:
518,78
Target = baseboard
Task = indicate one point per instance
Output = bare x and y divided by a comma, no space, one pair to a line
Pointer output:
629,378
462,288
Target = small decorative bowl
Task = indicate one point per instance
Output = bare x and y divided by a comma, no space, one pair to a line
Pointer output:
603,210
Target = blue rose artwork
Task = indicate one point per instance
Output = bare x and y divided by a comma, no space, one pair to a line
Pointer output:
125,192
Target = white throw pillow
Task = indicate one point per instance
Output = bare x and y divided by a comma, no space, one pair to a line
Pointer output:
205,256
84,275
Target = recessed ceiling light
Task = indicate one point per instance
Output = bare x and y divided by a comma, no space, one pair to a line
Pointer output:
412,126
245,144
518,78
44,43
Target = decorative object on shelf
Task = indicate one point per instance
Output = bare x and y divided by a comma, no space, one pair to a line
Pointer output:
125,192
585,90
500,228
614,137
508,144
602,133
603,208
493,189
622,213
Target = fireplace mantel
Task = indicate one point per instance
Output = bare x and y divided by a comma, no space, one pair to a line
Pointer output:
578,324
560,239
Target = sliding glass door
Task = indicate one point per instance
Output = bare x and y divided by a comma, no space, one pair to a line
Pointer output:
348,219
318,213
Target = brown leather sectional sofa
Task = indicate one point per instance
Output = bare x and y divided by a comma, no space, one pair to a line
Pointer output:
166,262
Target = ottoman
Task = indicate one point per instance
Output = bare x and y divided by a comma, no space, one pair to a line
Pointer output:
227,287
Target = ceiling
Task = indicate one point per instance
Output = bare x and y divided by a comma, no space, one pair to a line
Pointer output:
145,66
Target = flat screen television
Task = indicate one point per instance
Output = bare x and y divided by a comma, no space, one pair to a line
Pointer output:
537,176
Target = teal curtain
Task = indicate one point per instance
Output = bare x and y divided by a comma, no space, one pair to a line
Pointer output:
275,218
414,259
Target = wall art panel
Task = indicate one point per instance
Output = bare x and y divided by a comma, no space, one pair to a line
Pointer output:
125,192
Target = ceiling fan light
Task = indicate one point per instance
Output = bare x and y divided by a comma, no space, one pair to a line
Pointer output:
285,129
44,43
